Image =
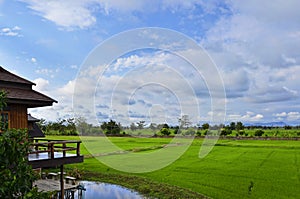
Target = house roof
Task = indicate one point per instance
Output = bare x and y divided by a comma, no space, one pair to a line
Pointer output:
35,131
31,118
10,77
19,91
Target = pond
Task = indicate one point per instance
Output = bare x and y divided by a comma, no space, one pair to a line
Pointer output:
107,191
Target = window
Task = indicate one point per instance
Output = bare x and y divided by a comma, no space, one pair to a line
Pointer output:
4,121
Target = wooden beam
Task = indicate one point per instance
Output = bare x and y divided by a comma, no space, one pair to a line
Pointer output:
62,189
47,163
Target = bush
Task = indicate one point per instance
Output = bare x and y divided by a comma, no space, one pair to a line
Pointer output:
190,131
241,132
259,132
16,175
165,131
226,131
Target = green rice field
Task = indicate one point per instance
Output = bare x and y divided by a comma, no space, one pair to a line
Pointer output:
233,169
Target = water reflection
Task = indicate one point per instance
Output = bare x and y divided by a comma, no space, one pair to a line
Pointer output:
107,191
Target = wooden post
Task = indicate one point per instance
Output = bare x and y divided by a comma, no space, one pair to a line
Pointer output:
62,189
64,147
78,149
52,150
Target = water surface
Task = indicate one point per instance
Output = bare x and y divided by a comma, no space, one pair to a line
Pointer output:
101,190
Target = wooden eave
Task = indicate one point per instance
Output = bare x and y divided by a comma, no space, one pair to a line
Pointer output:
30,98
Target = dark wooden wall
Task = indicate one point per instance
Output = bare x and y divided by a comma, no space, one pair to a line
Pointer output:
18,116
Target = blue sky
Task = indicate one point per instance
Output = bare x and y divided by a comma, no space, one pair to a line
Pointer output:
254,45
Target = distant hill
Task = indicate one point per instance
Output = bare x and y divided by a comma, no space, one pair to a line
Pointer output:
271,124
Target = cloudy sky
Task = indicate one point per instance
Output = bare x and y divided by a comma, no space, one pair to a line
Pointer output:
252,45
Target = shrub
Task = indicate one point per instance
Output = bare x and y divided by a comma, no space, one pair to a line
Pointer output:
16,175
241,132
165,131
226,131
190,131
259,132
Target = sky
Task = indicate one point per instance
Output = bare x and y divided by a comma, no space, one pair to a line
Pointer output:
250,50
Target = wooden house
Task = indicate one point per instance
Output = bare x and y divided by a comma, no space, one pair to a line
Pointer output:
45,153
20,97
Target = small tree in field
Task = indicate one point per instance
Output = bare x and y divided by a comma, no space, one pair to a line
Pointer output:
165,131
259,132
111,127
205,126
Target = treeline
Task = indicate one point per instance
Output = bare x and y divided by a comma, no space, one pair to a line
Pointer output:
80,126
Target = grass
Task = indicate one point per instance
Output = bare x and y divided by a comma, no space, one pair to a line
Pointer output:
233,169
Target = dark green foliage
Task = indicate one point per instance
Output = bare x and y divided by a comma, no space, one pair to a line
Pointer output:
241,132
62,126
287,127
16,175
2,99
140,124
205,126
232,126
166,126
3,124
259,132
198,133
239,126
165,131
111,128
177,130
226,131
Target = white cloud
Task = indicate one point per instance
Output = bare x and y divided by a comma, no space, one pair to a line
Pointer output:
283,114
293,116
41,84
67,13
33,60
71,14
47,72
73,66
248,117
12,32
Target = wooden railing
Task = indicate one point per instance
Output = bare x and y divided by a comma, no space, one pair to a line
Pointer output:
51,146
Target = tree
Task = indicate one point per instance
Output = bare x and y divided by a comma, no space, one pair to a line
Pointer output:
133,127
205,126
42,124
140,124
259,132
2,99
226,131
165,131
111,127
232,126
184,121
239,126
165,125
153,126
3,124
82,126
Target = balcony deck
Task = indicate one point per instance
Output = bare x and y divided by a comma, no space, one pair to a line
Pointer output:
53,153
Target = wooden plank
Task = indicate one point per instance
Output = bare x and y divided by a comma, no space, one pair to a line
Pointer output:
51,185
47,163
